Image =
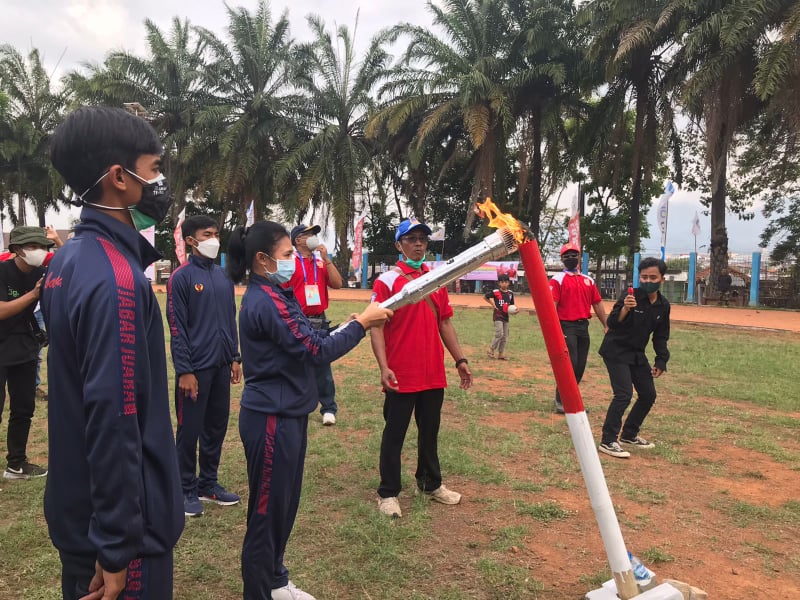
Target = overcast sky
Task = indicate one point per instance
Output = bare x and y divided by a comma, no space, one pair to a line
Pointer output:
70,32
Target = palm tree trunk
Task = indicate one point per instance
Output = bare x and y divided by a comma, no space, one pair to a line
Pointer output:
20,196
719,233
535,201
482,183
636,171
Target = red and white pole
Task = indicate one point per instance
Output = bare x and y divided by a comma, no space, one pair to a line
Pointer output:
577,421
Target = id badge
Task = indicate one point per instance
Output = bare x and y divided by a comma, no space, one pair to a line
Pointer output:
312,295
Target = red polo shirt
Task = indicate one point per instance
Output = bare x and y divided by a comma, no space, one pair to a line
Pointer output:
414,349
574,295
309,270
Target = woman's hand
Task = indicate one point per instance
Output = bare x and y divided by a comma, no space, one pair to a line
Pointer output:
374,316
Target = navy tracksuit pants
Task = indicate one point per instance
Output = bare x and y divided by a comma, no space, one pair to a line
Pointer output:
204,419
275,449
148,578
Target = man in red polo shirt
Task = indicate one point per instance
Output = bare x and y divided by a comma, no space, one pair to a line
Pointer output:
575,295
311,280
410,355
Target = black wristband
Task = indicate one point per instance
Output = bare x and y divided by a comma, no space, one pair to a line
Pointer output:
461,361
237,358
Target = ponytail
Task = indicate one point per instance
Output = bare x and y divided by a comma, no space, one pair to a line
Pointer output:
236,265
245,242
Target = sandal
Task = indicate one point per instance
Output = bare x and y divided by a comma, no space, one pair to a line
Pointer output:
502,358
490,354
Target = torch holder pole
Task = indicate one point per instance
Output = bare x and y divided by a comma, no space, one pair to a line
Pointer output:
577,421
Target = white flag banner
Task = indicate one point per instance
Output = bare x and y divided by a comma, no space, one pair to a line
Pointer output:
438,235
177,235
251,214
696,224
662,212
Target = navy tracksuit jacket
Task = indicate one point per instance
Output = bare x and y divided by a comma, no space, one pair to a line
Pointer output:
113,492
279,351
201,310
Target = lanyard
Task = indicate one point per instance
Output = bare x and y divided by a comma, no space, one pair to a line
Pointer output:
303,265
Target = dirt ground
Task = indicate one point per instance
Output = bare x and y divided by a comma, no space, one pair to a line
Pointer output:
728,563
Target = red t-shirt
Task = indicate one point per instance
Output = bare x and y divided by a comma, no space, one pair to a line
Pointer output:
574,294
308,271
414,349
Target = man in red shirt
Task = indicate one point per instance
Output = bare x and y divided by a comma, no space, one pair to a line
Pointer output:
310,282
575,295
410,355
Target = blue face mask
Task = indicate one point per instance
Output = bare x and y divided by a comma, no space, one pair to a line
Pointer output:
284,271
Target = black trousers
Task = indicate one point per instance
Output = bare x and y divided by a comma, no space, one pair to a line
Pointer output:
21,381
576,334
397,409
204,419
148,578
624,379
275,449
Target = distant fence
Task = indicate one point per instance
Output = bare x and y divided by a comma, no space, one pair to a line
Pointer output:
777,284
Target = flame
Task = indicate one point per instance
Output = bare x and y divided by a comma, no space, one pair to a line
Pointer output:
488,209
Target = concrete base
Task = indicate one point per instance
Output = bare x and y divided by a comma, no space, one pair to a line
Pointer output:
661,592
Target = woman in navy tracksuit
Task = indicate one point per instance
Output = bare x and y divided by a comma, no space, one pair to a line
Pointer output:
279,351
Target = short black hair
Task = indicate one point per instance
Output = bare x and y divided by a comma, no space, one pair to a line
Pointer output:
651,261
195,223
246,242
94,138
503,277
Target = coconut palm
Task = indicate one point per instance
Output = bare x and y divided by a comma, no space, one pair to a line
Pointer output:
168,83
249,125
632,40
329,165
34,109
460,79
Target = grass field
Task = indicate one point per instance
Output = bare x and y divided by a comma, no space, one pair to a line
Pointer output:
714,504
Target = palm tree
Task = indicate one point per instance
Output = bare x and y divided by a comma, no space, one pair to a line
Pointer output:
168,83
34,110
631,43
459,80
720,56
329,165
547,90
249,125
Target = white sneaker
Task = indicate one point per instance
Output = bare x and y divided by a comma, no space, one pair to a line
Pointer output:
328,419
291,592
390,507
444,496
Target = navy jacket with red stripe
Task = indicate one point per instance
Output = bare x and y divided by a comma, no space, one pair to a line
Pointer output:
280,350
202,316
113,491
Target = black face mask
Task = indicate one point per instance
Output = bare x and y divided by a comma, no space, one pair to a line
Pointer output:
570,263
154,204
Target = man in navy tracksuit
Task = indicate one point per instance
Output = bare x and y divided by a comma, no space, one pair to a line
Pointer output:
202,320
113,498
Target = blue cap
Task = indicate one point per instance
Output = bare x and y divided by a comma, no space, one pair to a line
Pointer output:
303,228
408,226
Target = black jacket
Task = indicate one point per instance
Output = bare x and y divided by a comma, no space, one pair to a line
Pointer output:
626,341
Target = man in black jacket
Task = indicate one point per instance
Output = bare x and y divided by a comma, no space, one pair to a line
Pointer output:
631,322
20,284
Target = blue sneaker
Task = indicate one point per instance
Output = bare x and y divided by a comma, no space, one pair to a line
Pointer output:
192,507
219,495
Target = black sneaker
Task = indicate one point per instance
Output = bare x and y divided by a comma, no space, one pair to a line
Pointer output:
614,449
558,408
637,442
25,471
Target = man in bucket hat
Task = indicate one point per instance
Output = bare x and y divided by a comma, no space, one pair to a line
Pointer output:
20,341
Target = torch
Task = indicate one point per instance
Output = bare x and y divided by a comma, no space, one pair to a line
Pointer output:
497,245
577,420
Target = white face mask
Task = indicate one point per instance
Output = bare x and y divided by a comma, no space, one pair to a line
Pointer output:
209,248
34,257
312,242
